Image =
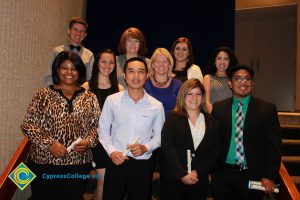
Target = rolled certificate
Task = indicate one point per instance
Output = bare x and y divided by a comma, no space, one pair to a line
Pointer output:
256,185
136,141
189,161
72,145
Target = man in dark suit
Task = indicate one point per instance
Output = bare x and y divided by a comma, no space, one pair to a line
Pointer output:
250,140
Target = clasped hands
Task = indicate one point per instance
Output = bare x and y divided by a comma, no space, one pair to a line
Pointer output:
58,150
191,178
119,158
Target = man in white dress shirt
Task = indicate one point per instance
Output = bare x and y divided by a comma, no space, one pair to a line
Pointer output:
130,130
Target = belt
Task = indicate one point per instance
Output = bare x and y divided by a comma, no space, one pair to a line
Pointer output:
235,166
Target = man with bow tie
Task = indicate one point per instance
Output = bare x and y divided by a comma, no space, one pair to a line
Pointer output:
76,33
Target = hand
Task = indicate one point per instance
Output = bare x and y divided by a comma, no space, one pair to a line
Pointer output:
190,179
118,158
137,149
58,150
268,184
82,146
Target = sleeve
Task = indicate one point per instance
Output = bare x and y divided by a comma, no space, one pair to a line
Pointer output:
195,72
158,122
32,124
273,146
89,67
93,122
48,76
104,130
169,149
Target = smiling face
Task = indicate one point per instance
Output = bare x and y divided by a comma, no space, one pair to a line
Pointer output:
135,75
106,64
181,51
222,61
77,33
241,83
193,100
132,45
160,65
67,73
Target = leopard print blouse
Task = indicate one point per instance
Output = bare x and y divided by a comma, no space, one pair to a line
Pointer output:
52,117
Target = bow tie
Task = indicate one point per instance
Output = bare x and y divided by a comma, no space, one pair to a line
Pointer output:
75,47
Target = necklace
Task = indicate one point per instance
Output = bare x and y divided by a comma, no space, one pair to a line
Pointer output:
161,84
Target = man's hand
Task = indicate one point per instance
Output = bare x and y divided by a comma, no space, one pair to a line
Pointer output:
118,158
268,184
137,149
58,150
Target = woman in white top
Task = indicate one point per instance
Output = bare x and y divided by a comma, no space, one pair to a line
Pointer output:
184,67
188,129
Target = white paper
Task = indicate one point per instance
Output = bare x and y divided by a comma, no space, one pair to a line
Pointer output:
189,161
256,185
72,145
136,141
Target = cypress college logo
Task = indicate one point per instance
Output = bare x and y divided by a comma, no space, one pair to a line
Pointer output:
22,176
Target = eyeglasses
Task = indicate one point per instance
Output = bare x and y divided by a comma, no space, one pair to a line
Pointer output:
242,79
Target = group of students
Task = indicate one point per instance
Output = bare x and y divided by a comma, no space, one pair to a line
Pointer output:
134,114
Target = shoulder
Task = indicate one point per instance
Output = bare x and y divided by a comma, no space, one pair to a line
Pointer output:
206,79
87,51
59,48
194,67
85,85
121,88
176,82
223,104
152,101
266,105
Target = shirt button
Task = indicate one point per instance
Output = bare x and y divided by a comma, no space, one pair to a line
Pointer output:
193,155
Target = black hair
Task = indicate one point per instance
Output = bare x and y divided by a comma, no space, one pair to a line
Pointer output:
75,60
93,83
136,59
233,61
234,69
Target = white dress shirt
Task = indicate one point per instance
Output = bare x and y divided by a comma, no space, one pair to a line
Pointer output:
198,130
122,121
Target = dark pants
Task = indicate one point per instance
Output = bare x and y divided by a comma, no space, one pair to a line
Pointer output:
176,190
67,183
133,176
232,184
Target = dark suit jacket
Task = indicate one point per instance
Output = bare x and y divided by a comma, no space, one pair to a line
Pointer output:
261,136
176,139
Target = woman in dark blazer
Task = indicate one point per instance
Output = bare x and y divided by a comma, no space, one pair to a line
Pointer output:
188,127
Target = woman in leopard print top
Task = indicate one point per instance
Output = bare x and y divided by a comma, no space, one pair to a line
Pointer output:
56,117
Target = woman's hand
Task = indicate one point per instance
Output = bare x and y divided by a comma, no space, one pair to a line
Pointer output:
190,179
82,146
58,150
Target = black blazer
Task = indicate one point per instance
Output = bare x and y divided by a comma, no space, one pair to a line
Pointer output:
176,139
262,136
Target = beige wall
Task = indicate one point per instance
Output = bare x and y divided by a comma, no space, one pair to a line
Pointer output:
246,4
29,31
